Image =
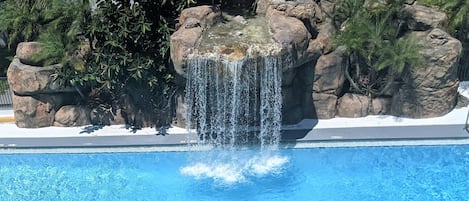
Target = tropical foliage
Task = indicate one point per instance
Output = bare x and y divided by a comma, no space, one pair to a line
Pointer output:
111,47
376,49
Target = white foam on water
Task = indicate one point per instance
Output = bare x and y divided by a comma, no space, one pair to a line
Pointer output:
237,171
223,172
262,165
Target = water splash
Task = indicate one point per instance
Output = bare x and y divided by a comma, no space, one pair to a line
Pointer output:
237,171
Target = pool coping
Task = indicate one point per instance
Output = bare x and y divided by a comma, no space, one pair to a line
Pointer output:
346,132
292,137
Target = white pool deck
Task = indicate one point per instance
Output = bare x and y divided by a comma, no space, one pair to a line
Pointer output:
365,131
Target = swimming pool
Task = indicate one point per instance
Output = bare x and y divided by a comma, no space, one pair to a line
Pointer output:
359,173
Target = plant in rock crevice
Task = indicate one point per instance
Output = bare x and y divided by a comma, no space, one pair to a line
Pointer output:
377,53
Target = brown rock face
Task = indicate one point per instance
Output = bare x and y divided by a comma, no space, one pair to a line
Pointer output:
307,10
324,105
202,16
421,18
284,35
380,106
25,52
313,81
430,89
323,40
192,22
292,35
182,44
353,105
36,96
328,83
35,111
26,80
72,115
329,76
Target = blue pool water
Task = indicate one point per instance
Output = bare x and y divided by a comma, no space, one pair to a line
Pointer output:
366,173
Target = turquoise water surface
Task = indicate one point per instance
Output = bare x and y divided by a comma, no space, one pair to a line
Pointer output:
361,173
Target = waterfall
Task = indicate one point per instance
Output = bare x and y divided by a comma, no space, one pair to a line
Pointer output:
234,102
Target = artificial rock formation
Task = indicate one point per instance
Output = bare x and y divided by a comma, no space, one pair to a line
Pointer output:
422,18
72,115
313,81
292,30
192,22
430,89
329,80
25,53
36,95
299,36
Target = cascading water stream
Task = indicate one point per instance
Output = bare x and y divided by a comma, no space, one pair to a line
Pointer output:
233,103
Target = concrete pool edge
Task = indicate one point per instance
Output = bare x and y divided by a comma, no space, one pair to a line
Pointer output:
186,148
313,138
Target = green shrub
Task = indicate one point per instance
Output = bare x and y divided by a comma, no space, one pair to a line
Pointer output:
377,51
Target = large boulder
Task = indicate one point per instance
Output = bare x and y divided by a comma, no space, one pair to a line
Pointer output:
301,9
324,105
36,94
306,10
430,89
293,37
353,105
72,115
36,111
323,41
380,106
183,42
26,51
329,72
203,16
192,22
28,80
